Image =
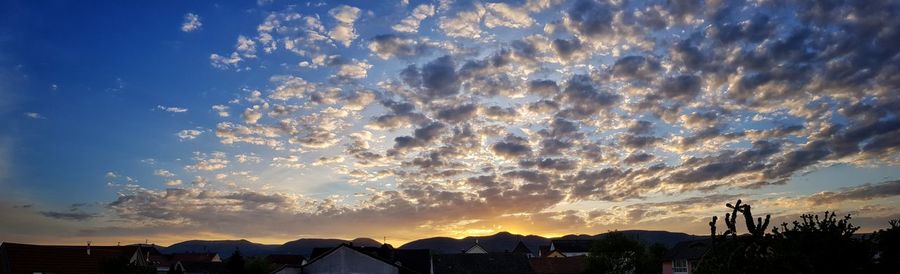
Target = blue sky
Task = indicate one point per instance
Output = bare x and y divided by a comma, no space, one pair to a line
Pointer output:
274,120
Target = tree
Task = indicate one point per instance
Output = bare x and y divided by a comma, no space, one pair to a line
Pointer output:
257,265
812,244
235,263
619,253
887,245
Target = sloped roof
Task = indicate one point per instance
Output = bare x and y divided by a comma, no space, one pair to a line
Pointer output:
506,263
205,267
411,260
26,258
192,257
561,265
285,258
578,245
521,248
688,250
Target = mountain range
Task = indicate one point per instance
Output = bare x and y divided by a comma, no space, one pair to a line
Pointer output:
500,242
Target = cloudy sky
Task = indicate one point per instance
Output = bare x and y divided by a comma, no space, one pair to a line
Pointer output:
273,120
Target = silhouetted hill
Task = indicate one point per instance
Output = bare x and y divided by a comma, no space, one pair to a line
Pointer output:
226,247
223,247
500,242
505,241
305,246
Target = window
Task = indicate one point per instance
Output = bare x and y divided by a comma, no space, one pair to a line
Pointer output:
680,266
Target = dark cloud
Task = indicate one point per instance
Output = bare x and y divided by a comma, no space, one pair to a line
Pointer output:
437,79
546,88
857,193
590,19
512,147
584,98
636,68
566,49
387,46
70,216
457,114
681,87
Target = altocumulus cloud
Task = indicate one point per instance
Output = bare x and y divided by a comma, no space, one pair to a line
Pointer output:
501,113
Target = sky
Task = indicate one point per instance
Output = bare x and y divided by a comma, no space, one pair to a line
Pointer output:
274,120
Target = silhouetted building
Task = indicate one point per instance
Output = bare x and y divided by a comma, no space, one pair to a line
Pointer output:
559,265
29,259
385,259
522,249
684,256
481,263
569,248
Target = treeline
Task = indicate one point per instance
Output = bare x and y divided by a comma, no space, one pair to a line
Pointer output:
813,244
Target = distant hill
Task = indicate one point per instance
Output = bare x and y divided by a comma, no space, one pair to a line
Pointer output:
505,241
226,247
223,247
305,246
500,242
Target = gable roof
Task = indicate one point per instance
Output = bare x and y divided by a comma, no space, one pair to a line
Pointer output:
285,259
521,248
688,250
476,249
509,263
572,246
561,265
409,257
26,258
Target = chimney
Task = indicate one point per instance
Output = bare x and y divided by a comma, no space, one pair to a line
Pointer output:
89,248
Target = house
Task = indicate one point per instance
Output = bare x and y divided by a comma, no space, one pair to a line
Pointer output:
187,262
28,259
684,256
569,248
285,263
481,263
346,258
189,267
522,249
476,249
559,265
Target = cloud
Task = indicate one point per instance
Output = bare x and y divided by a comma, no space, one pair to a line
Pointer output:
34,115
619,110
858,193
163,173
208,162
191,23
354,70
465,24
387,46
172,109
70,216
343,31
188,134
415,18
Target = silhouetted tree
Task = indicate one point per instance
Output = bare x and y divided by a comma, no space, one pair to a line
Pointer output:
887,245
257,265
235,263
619,253
812,244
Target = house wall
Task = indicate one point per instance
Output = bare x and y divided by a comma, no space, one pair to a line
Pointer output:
667,268
347,261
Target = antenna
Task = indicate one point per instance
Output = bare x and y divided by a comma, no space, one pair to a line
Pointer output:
89,247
